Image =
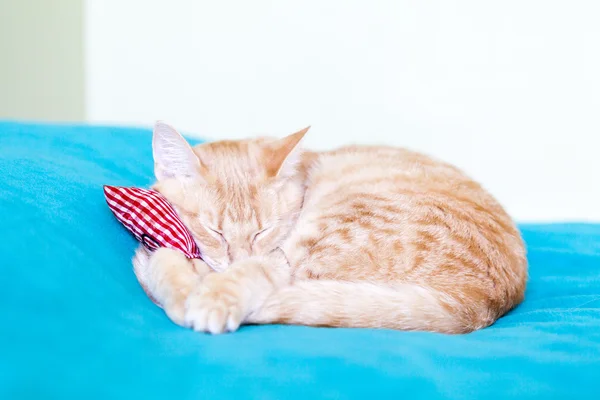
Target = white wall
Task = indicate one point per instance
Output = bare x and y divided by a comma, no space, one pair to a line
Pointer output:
41,60
508,90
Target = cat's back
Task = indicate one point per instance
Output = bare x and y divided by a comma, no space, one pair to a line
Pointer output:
406,216
410,189
383,171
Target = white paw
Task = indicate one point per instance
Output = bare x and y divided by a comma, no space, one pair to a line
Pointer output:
216,306
176,312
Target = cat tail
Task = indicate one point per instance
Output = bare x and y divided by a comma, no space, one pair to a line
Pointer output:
408,307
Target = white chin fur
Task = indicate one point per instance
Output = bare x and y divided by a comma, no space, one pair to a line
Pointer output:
217,267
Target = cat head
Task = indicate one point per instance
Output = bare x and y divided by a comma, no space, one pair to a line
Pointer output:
239,198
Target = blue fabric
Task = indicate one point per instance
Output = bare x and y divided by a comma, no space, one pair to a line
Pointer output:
75,324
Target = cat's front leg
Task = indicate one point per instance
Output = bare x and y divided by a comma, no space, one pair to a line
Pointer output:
224,300
168,277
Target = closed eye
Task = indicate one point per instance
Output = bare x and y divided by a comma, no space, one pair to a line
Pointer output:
216,233
260,234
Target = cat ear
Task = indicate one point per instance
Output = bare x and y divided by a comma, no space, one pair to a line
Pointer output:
173,156
285,155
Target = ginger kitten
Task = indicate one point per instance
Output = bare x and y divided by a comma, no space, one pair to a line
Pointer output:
375,237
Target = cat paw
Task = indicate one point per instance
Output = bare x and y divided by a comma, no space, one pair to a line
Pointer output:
168,278
216,305
175,310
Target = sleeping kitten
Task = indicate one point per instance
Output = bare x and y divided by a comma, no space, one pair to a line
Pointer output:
375,237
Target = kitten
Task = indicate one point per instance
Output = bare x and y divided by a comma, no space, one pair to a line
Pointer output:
375,237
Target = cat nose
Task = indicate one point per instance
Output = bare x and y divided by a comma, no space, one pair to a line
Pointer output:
241,253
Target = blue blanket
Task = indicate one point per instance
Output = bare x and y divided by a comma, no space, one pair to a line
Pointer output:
75,324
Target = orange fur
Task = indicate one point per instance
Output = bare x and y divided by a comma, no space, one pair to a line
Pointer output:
356,237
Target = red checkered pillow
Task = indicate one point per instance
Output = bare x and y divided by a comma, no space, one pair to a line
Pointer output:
151,219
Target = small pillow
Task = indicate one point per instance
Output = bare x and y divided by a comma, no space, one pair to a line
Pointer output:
151,219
